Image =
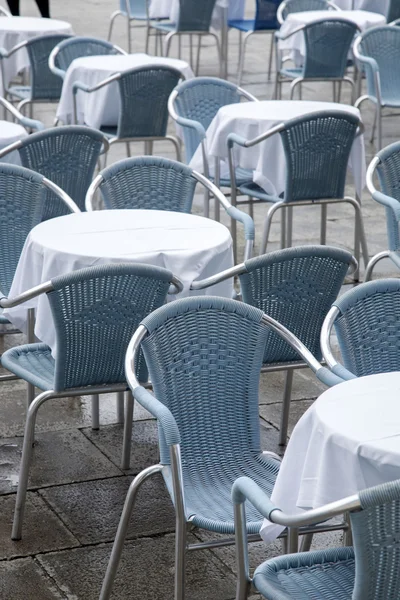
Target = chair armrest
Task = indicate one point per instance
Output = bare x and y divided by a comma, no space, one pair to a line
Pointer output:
3,53
288,35
78,85
396,22
387,201
25,121
233,138
367,60
43,288
163,415
328,377
198,127
245,488
342,372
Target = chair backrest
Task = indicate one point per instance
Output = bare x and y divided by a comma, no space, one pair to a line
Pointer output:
195,15
383,45
22,197
296,287
76,47
148,182
265,17
367,327
204,356
376,537
144,94
134,8
200,99
388,170
67,156
96,311
44,84
393,11
328,43
292,6
317,148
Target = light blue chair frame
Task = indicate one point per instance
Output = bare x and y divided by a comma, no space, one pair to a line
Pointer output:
26,122
132,10
288,6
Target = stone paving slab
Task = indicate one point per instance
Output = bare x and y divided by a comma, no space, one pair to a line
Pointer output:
42,531
272,413
91,510
24,579
146,571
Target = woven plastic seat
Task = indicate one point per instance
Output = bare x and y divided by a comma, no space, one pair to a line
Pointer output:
44,85
33,363
65,155
327,46
65,52
376,51
366,324
204,356
368,571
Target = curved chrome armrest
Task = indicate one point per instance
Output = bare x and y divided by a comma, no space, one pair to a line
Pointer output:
377,195
282,38
5,12
247,95
62,195
78,85
92,189
335,367
25,121
43,288
233,138
52,63
218,277
395,23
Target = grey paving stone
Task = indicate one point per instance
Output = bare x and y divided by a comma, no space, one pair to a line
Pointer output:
305,385
272,413
92,510
24,579
42,530
144,443
146,571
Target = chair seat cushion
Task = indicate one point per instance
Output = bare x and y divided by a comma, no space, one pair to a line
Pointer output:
33,363
255,191
242,24
208,490
109,130
242,176
292,73
20,91
323,575
168,26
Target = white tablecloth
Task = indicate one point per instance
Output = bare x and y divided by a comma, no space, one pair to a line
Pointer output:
14,30
295,45
347,441
10,133
251,119
102,107
192,247
170,9
378,6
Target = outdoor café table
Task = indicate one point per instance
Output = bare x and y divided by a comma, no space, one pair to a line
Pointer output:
347,441
295,45
102,107
14,30
267,159
378,6
190,246
10,133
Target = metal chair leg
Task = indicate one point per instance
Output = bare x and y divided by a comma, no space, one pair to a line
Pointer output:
118,545
373,262
379,117
180,559
289,226
128,425
306,541
120,407
286,408
30,394
242,57
324,214
271,56
267,226
371,139
198,55
25,463
242,557
94,399
128,26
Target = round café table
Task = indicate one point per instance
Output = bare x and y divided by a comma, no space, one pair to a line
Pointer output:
14,30
10,133
190,246
349,440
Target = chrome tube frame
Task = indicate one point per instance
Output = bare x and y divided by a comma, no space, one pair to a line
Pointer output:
370,174
33,292
61,194
76,87
218,277
92,189
326,330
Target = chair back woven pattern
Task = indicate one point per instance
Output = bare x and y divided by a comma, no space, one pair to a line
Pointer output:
317,149
137,8
144,97
388,171
376,536
383,45
368,327
296,287
67,156
148,182
21,208
200,99
394,11
95,312
266,14
327,47
81,46
292,6
195,15
44,84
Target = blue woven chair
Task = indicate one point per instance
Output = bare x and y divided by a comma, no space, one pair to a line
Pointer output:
393,12
366,323
387,165
327,43
376,52
95,312
64,53
65,155
291,6
204,356
44,86
22,202
265,21
143,115
155,183
296,287
194,19
368,571
317,148
132,10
